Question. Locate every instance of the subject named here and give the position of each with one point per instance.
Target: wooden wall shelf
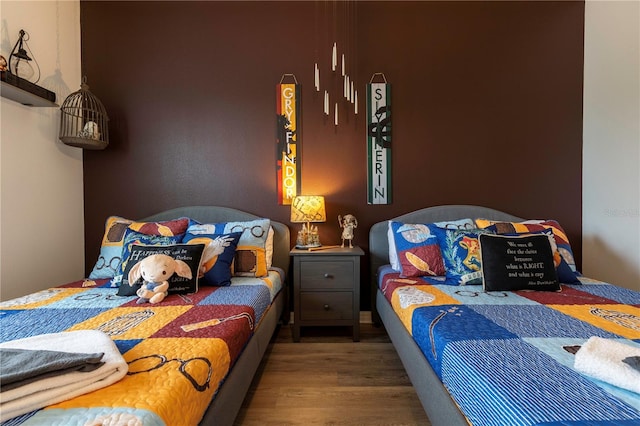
(24, 92)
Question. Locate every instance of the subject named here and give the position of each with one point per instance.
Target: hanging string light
(340, 41)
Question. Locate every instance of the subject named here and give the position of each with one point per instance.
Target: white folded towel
(51, 390)
(602, 359)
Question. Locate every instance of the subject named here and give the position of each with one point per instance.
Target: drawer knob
(327, 275)
(326, 307)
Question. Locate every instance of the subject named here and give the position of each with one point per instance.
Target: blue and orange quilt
(507, 358)
(178, 352)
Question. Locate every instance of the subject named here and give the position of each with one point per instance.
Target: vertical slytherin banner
(379, 188)
(288, 141)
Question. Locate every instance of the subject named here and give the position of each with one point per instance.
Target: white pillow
(269, 247)
(393, 255)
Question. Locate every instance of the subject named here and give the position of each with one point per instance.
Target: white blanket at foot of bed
(51, 390)
(603, 359)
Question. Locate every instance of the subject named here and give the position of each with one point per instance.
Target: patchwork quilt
(178, 351)
(507, 358)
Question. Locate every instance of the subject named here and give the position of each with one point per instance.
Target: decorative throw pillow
(217, 259)
(269, 247)
(461, 253)
(512, 263)
(536, 225)
(115, 227)
(132, 237)
(565, 274)
(567, 269)
(251, 254)
(111, 249)
(459, 225)
(393, 251)
(191, 254)
(414, 250)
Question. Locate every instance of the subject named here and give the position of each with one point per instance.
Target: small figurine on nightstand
(348, 223)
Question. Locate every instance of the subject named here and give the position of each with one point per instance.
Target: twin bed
(190, 359)
(474, 357)
(507, 357)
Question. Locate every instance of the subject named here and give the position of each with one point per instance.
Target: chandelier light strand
(338, 40)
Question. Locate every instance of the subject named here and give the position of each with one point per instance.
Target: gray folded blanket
(633, 361)
(21, 366)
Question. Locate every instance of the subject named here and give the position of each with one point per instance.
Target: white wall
(41, 202)
(611, 136)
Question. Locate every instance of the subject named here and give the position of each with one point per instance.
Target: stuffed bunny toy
(155, 270)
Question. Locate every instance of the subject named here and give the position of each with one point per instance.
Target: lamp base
(308, 238)
(308, 246)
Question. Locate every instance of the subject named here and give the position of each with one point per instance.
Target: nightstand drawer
(326, 275)
(326, 305)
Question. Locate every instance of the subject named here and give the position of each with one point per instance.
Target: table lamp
(306, 209)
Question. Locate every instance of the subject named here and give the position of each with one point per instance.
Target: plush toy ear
(135, 273)
(183, 269)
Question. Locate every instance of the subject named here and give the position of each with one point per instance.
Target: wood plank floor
(327, 379)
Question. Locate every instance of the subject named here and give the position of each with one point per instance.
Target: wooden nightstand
(326, 288)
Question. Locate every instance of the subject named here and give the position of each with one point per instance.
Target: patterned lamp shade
(306, 209)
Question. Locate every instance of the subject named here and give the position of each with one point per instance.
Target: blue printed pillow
(566, 275)
(132, 237)
(461, 254)
(251, 254)
(414, 250)
(417, 250)
(109, 259)
(217, 258)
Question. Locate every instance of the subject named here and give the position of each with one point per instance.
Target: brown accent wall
(486, 98)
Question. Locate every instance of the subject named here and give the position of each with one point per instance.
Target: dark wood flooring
(327, 379)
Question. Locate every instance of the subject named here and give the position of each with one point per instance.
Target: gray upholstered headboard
(213, 214)
(378, 240)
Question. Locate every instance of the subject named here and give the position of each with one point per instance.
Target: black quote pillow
(191, 254)
(512, 263)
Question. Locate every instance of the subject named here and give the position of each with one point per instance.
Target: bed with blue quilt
(186, 360)
(488, 341)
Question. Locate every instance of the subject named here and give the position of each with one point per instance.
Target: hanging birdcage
(84, 120)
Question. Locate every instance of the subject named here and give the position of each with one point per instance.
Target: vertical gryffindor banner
(288, 96)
